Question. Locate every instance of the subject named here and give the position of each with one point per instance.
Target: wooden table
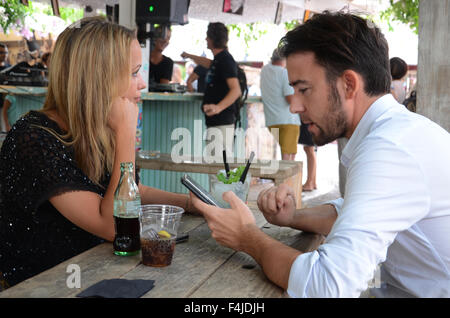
(201, 268)
(280, 171)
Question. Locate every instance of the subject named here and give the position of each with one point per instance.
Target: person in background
(60, 166)
(3, 64)
(161, 66)
(45, 59)
(188, 69)
(276, 94)
(9, 111)
(177, 75)
(222, 87)
(310, 149)
(399, 69)
(196, 80)
(4, 56)
(396, 207)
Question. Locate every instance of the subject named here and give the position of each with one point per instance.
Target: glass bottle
(127, 204)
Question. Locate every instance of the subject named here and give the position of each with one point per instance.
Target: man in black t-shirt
(222, 86)
(161, 66)
(199, 75)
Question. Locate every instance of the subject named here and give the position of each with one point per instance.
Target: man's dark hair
(218, 33)
(342, 41)
(398, 68)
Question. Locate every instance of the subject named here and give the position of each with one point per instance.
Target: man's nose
(296, 106)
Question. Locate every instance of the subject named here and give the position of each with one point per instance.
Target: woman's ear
(352, 83)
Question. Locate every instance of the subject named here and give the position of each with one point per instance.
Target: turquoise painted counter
(167, 119)
(162, 120)
(27, 98)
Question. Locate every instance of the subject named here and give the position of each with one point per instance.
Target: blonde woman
(59, 166)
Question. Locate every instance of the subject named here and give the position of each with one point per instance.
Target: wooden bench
(280, 171)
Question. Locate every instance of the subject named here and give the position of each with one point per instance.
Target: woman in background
(399, 69)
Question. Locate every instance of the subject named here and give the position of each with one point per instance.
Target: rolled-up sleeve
(337, 203)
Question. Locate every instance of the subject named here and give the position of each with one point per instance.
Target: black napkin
(118, 288)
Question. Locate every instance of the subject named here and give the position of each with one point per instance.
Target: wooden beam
(55, 7)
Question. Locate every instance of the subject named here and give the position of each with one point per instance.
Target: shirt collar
(218, 55)
(379, 107)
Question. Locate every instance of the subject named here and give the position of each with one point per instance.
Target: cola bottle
(127, 205)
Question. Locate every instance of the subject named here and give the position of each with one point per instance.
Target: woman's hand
(190, 207)
(123, 115)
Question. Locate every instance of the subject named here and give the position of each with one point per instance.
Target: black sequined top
(35, 166)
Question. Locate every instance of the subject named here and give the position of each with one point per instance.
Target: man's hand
(228, 226)
(278, 205)
(211, 109)
(185, 55)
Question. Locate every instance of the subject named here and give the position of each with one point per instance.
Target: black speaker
(162, 11)
(112, 12)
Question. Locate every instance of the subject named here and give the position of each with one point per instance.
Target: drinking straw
(247, 166)
(227, 168)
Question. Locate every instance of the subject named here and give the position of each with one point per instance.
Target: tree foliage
(69, 15)
(12, 13)
(249, 32)
(404, 11)
(289, 25)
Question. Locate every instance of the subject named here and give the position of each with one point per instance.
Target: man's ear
(352, 83)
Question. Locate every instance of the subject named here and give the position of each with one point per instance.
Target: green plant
(289, 25)
(405, 11)
(234, 177)
(69, 15)
(249, 32)
(12, 13)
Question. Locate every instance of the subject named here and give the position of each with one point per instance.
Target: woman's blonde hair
(90, 67)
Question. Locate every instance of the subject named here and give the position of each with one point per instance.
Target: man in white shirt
(396, 207)
(276, 94)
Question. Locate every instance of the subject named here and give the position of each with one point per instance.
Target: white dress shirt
(396, 210)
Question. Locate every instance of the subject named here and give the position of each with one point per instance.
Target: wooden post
(55, 7)
(433, 68)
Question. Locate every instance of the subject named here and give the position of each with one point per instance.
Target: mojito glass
(217, 188)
